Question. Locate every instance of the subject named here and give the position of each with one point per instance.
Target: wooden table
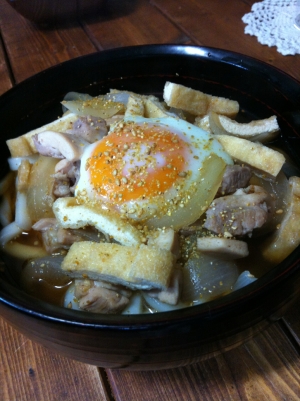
(265, 368)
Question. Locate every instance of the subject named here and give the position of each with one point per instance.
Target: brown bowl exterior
(170, 339)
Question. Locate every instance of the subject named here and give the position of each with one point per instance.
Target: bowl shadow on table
(49, 14)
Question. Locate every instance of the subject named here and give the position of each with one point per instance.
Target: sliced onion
(9, 232)
(244, 279)
(135, 306)
(7, 209)
(40, 196)
(96, 107)
(14, 162)
(70, 300)
(158, 306)
(75, 96)
(22, 215)
(207, 277)
(24, 252)
(120, 97)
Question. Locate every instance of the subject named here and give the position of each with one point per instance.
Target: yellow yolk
(161, 172)
(137, 161)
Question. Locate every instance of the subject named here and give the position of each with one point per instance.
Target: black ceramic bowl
(169, 339)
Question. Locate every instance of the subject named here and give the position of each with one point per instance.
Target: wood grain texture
(31, 50)
(5, 81)
(214, 24)
(29, 372)
(292, 321)
(265, 369)
(131, 22)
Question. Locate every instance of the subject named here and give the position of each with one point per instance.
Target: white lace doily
(274, 24)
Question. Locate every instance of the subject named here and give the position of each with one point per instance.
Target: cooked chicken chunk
(59, 145)
(101, 297)
(54, 237)
(65, 178)
(238, 214)
(90, 128)
(234, 177)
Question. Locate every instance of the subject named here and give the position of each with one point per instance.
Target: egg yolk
(137, 161)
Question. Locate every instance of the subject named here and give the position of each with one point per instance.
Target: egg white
(156, 208)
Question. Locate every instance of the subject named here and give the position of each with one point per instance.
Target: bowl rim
(29, 305)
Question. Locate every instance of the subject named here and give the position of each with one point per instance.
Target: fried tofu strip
(136, 267)
(264, 160)
(258, 130)
(24, 146)
(23, 175)
(196, 102)
(71, 214)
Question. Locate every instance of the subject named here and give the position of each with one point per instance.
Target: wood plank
(32, 49)
(292, 320)
(127, 23)
(5, 81)
(199, 21)
(265, 369)
(30, 372)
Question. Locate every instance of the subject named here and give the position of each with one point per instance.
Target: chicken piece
(82, 287)
(240, 213)
(70, 214)
(234, 177)
(101, 297)
(66, 177)
(54, 237)
(224, 248)
(89, 128)
(59, 145)
(62, 186)
(24, 146)
(136, 267)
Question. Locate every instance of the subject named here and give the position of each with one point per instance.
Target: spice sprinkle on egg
(149, 170)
